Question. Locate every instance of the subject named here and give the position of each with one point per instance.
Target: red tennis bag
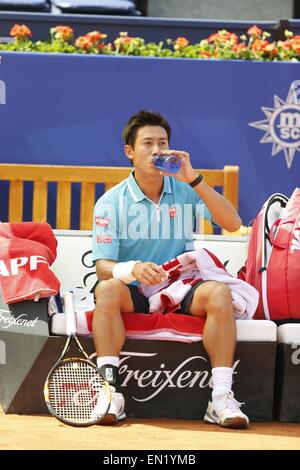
(273, 261)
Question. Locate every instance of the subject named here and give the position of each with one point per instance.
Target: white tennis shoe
(225, 411)
(116, 410)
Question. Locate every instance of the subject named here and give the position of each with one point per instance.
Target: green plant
(254, 45)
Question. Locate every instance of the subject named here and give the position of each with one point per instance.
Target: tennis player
(141, 223)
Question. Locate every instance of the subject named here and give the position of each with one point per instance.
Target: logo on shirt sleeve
(104, 239)
(172, 212)
(101, 221)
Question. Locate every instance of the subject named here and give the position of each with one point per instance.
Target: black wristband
(196, 181)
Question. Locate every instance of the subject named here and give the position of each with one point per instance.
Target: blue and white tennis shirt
(129, 226)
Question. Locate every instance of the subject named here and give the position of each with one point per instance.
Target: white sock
(110, 360)
(222, 381)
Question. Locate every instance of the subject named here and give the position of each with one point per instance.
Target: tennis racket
(74, 385)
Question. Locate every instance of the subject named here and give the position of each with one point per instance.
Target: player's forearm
(104, 269)
(222, 211)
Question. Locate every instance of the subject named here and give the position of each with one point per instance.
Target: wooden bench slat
(231, 184)
(57, 173)
(39, 208)
(15, 208)
(82, 174)
(63, 205)
(108, 186)
(87, 202)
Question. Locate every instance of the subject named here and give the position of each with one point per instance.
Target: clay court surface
(46, 433)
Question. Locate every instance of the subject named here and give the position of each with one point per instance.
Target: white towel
(189, 267)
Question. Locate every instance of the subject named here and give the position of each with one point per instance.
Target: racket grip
(70, 314)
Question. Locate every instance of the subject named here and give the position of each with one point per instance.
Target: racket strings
(75, 388)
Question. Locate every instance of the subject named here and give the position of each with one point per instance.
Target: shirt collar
(136, 191)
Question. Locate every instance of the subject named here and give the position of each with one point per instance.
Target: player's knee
(109, 291)
(219, 300)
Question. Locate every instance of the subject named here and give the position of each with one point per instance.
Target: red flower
(254, 31)
(239, 47)
(259, 45)
(62, 33)
(205, 54)
(96, 36)
(123, 42)
(181, 42)
(287, 45)
(296, 46)
(20, 31)
(271, 48)
(83, 42)
(223, 36)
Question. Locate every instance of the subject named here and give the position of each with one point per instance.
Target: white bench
(287, 385)
(187, 393)
(159, 378)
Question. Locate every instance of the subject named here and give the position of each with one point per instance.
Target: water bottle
(167, 163)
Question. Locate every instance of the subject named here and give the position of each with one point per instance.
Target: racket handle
(70, 314)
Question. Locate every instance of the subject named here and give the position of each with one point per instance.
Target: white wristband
(123, 271)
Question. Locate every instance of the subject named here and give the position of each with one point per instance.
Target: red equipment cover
(273, 261)
(27, 249)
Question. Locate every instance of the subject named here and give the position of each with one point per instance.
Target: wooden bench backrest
(88, 176)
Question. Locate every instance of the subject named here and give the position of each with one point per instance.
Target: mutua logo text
(2, 92)
(282, 124)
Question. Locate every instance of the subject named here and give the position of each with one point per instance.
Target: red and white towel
(186, 270)
(164, 327)
(167, 327)
(27, 249)
(162, 324)
(157, 326)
